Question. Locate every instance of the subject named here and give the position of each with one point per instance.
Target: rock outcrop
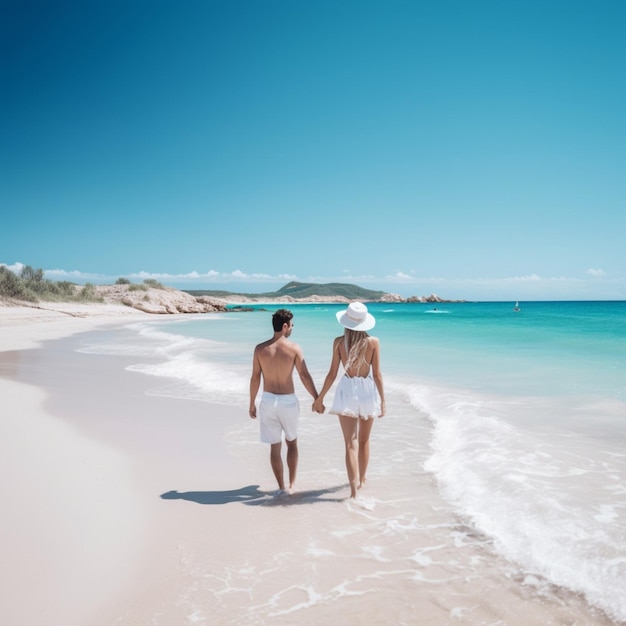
(159, 301)
(392, 297)
(432, 298)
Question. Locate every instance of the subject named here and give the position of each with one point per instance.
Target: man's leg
(277, 463)
(292, 461)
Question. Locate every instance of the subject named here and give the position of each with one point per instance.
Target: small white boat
(516, 307)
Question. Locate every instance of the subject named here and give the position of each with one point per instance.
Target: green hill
(301, 290)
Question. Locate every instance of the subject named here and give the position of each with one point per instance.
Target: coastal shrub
(33, 281)
(66, 288)
(122, 281)
(89, 294)
(11, 286)
(155, 284)
(30, 274)
(34, 287)
(55, 291)
(30, 285)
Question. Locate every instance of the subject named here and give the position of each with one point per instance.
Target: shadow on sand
(253, 496)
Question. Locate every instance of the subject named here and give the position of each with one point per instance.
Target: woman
(359, 396)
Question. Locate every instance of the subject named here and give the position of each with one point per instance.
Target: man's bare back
(277, 358)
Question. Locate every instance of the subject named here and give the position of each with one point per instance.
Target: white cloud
(16, 268)
(193, 275)
(595, 272)
(144, 275)
(400, 276)
(211, 276)
(529, 278)
(72, 275)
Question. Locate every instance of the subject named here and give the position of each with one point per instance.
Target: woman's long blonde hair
(357, 346)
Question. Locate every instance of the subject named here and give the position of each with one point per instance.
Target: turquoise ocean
(516, 418)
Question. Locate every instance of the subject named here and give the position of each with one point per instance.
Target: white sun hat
(356, 317)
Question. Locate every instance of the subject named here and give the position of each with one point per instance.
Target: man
(274, 360)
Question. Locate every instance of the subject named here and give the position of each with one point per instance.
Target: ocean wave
(197, 379)
(545, 506)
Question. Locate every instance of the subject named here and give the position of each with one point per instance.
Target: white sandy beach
(84, 531)
(124, 508)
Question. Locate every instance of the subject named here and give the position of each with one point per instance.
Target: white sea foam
(185, 366)
(542, 504)
(198, 379)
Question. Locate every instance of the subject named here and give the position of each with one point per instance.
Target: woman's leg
(365, 428)
(349, 427)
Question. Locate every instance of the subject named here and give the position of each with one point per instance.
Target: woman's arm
(377, 375)
(330, 377)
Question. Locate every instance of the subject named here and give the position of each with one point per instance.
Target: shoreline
(23, 326)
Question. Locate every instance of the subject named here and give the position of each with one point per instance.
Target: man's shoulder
(291, 345)
(281, 344)
(267, 342)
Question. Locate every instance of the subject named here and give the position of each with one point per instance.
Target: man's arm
(255, 384)
(303, 372)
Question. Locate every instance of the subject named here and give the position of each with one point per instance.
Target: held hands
(318, 406)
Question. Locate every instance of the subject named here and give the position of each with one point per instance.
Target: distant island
(313, 292)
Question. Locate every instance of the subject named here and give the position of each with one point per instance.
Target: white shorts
(278, 413)
(357, 397)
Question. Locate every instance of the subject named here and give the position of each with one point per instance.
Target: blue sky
(473, 149)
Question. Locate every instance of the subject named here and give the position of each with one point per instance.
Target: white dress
(356, 396)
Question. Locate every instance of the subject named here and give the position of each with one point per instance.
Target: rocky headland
(167, 300)
(159, 300)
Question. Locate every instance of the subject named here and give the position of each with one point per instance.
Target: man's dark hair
(282, 316)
